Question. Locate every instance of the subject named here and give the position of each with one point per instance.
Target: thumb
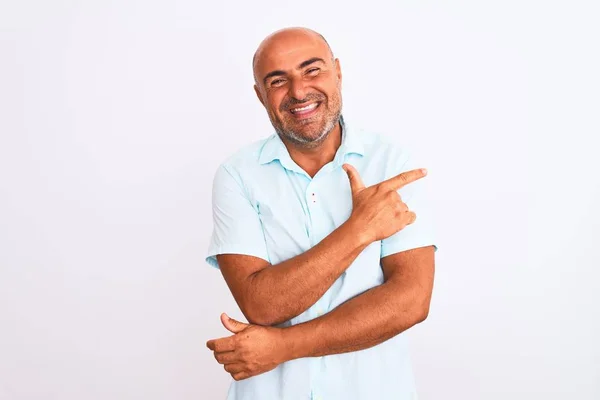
(232, 325)
(356, 183)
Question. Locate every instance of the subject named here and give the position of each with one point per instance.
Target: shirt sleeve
(416, 196)
(236, 225)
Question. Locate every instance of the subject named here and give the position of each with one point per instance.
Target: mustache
(290, 102)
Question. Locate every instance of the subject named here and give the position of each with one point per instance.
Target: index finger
(223, 344)
(403, 179)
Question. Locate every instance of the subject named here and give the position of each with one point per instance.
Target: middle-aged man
(314, 238)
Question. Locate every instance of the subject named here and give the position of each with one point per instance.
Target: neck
(313, 159)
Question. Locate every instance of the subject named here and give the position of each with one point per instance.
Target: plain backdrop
(114, 116)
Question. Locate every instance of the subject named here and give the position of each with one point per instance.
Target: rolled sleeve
(416, 196)
(236, 225)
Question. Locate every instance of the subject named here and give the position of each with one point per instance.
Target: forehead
(286, 53)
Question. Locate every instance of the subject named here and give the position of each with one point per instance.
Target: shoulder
(248, 155)
(387, 148)
(245, 158)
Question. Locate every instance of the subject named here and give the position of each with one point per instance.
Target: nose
(297, 90)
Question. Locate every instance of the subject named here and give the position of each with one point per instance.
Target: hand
(252, 350)
(378, 209)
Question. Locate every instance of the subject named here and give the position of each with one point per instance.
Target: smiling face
(299, 83)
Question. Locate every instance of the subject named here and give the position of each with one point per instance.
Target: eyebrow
(303, 64)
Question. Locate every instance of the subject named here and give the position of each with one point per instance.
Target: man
(316, 243)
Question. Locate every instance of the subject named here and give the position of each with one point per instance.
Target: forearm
(362, 322)
(285, 290)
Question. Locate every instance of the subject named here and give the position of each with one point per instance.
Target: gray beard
(303, 142)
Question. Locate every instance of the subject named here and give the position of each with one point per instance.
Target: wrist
(358, 232)
(294, 342)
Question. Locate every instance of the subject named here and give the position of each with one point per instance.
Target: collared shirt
(266, 206)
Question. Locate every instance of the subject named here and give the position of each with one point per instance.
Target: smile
(305, 110)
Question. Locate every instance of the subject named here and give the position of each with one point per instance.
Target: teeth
(308, 107)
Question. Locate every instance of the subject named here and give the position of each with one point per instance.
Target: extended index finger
(404, 178)
(223, 344)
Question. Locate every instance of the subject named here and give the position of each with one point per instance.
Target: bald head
(284, 40)
(299, 81)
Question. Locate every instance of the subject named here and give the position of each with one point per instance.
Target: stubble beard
(301, 140)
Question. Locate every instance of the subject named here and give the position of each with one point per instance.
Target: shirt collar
(274, 149)
(351, 140)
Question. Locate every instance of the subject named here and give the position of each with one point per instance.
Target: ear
(257, 91)
(338, 69)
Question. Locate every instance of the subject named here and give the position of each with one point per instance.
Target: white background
(115, 115)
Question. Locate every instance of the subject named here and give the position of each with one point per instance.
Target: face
(299, 84)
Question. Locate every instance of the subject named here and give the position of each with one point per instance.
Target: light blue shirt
(265, 205)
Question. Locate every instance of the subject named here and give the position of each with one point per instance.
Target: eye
(313, 71)
(277, 82)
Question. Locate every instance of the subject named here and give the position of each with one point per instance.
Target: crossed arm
(374, 316)
(268, 295)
